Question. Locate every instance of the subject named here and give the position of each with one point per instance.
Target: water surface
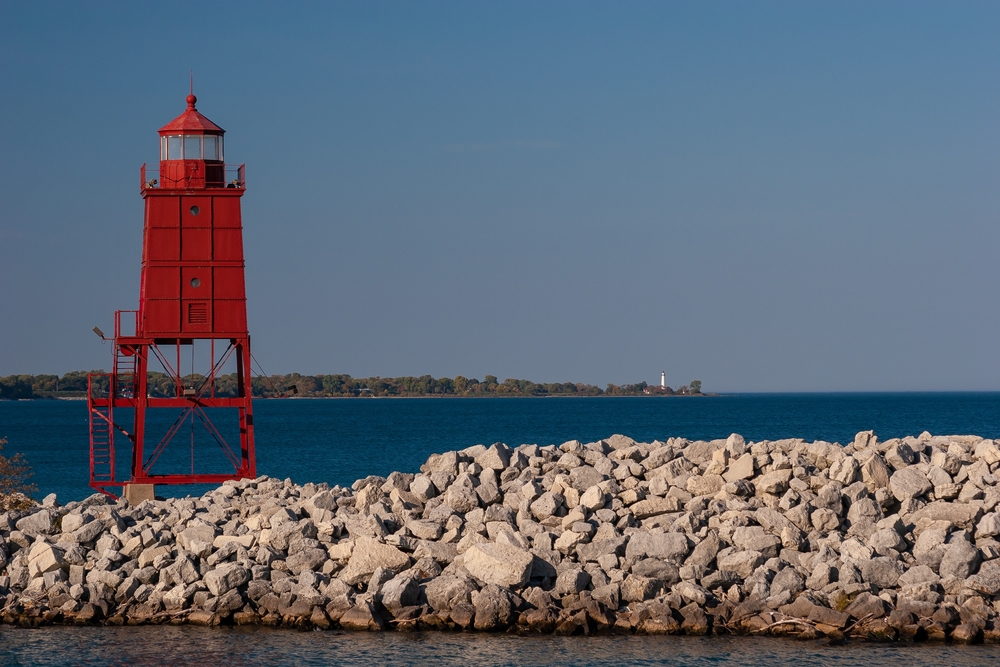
(341, 440)
(234, 647)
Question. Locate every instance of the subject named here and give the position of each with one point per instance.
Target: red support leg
(141, 399)
(243, 375)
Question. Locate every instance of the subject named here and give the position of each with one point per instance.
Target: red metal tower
(191, 290)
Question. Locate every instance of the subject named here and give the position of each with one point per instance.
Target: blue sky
(765, 196)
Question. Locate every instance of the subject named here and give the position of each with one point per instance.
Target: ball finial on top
(191, 99)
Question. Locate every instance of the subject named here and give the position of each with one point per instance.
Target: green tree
(695, 386)
(16, 386)
(46, 383)
(308, 384)
(74, 381)
(14, 486)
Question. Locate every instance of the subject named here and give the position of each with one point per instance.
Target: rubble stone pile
(877, 540)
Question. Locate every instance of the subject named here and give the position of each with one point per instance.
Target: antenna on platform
(191, 88)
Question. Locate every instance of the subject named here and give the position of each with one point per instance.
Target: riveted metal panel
(227, 244)
(196, 244)
(226, 212)
(230, 316)
(162, 282)
(163, 244)
(161, 316)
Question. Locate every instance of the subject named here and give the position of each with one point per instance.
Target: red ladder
(102, 438)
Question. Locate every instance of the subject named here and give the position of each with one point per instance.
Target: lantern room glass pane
(222, 153)
(211, 147)
(192, 147)
(163, 148)
(174, 147)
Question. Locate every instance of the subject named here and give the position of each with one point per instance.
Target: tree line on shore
(74, 384)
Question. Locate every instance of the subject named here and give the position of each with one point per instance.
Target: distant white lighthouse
(663, 379)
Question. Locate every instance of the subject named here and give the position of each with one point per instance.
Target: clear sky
(764, 196)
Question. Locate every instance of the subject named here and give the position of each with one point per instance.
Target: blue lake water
(341, 440)
(235, 647)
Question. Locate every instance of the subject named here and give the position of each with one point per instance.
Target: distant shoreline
(76, 384)
(434, 396)
(451, 396)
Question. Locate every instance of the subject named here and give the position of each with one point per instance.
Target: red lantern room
(191, 151)
(192, 294)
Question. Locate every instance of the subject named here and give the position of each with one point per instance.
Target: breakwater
(879, 540)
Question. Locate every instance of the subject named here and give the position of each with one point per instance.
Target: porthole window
(195, 210)
(195, 282)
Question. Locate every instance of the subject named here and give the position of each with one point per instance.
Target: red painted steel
(192, 288)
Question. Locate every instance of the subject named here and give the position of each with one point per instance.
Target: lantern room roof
(191, 121)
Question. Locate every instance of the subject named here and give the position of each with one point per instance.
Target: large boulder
(592, 551)
(225, 578)
(494, 608)
(882, 572)
(958, 514)
(495, 457)
(500, 564)
(755, 538)
(742, 563)
(960, 560)
(368, 555)
(704, 553)
(774, 483)
(875, 473)
(653, 507)
(546, 505)
(637, 588)
(43, 558)
(461, 498)
(38, 523)
(671, 546)
(572, 581)
(741, 468)
(583, 477)
(400, 592)
(987, 580)
(197, 531)
(307, 559)
(705, 485)
(362, 616)
(787, 580)
(88, 532)
(446, 591)
(988, 526)
(909, 483)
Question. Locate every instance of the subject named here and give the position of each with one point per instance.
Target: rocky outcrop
(881, 540)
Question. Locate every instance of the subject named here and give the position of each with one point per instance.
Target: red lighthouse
(192, 296)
